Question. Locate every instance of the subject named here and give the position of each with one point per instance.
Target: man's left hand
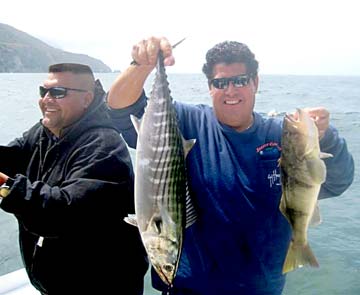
(321, 117)
(3, 178)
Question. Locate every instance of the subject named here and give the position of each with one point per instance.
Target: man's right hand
(145, 52)
(128, 86)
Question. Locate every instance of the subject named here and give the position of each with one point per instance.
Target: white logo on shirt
(274, 178)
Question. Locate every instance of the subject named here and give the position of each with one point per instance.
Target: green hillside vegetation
(22, 53)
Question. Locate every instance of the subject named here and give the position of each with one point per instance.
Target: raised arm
(128, 86)
(340, 167)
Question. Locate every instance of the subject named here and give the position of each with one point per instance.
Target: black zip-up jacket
(70, 196)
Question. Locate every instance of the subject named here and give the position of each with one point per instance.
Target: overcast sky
(287, 36)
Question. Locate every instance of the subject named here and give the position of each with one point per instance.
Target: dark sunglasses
(237, 81)
(57, 92)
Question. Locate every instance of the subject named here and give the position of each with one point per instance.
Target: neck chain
(251, 123)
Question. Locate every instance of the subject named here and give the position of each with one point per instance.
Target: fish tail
(298, 256)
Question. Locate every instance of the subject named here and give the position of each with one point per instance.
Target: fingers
(3, 178)
(146, 51)
(321, 117)
(167, 52)
(152, 47)
(139, 53)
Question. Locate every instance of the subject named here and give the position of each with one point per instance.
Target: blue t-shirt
(239, 242)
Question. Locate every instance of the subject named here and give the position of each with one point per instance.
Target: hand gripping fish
(163, 207)
(302, 173)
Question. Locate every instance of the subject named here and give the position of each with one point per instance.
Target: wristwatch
(5, 188)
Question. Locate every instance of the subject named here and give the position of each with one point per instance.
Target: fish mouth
(296, 119)
(290, 118)
(291, 124)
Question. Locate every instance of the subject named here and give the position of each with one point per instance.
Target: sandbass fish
(302, 173)
(163, 207)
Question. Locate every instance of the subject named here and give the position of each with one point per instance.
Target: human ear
(89, 97)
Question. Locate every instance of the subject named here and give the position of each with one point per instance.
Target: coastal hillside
(23, 53)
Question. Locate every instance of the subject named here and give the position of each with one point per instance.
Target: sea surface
(336, 242)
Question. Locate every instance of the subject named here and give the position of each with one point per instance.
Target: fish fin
(131, 219)
(191, 215)
(282, 206)
(136, 122)
(316, 217)
(299, 256)
(187, 145)
(325, 155)
(317, 170)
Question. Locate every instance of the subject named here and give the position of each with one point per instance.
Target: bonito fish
(162, 204)
(302, 173)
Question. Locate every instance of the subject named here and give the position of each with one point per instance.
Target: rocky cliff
(22, 53)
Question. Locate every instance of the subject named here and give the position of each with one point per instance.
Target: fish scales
(163, 206)
(167, 147)
(302, 173)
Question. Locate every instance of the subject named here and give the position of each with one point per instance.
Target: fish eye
(168, 267)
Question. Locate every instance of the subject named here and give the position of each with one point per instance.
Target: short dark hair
(71, 67)
(229, 52)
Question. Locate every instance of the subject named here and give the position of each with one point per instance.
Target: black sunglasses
(57, 92)
(237, 81)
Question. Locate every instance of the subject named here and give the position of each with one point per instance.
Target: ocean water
(336, 242)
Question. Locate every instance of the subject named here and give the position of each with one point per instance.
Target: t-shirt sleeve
(122, 121)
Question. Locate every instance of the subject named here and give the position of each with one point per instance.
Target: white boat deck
(16, 283)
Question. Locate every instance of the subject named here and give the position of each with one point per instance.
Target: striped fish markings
(163, 206)
(302, 173)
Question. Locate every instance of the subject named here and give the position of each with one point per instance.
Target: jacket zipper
(38, 245)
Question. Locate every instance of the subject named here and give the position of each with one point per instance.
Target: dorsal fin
(325, 155)
(136, 122)
(187, 145)
(131, 219)
(316, 216)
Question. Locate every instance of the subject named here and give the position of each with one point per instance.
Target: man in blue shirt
(239, 242)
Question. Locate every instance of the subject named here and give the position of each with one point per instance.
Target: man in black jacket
(69, 182)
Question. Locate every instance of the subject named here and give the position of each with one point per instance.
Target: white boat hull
(16, 283)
